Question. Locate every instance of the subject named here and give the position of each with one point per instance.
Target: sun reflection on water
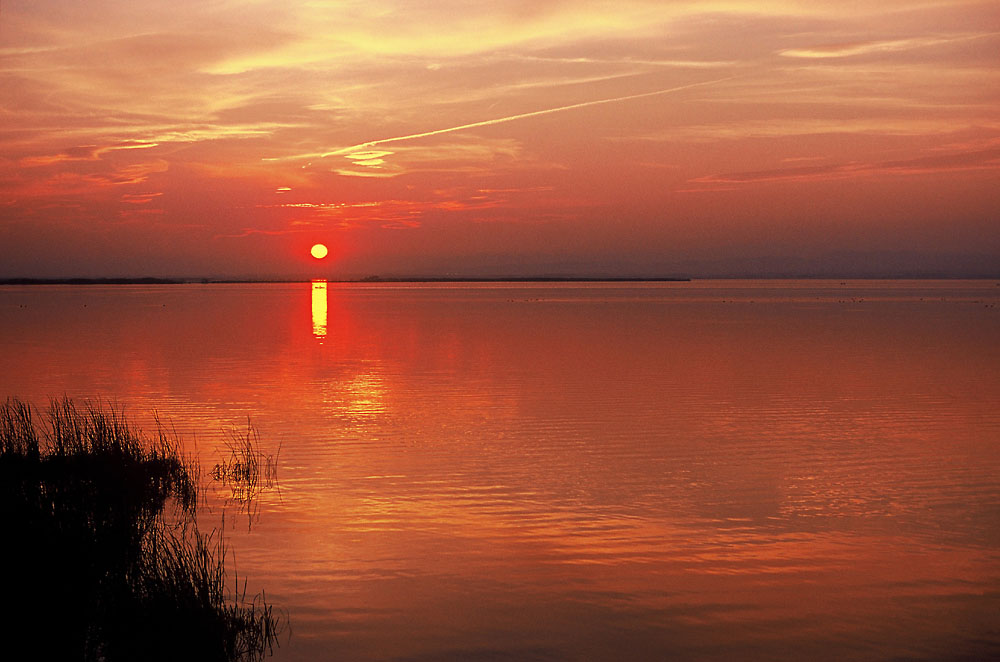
(319, 308)
(367, 395)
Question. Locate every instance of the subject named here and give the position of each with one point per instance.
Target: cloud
(447, 29)
(513, 118)
(885, 46)
(139, 198)
(84, 153)
(783, 127)
(985, 159)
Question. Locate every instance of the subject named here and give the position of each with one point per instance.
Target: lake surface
(714, 470)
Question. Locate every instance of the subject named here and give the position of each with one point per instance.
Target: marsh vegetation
(103, 558)
(247, 471)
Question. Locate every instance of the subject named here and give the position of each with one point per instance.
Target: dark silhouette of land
(514, 279)
(102, 558)
(366, 279)
(92, 281)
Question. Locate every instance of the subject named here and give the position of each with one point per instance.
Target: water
(711, 470)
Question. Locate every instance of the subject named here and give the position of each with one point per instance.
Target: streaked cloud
(986, 159)
(887, 46)
(519, 116)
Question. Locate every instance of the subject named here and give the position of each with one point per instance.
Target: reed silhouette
(247, 472)
(102, 558)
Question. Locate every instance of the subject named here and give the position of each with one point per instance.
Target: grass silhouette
(248, 471)
(102, 558)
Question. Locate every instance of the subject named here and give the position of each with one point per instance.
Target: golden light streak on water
(319, 308)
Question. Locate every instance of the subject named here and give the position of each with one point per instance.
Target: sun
(319, 251)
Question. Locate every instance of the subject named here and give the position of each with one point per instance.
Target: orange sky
(635, 137)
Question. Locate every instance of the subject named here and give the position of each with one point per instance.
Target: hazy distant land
(367, 279)
(147, 280)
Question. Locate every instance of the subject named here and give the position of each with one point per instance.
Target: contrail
(511, 118)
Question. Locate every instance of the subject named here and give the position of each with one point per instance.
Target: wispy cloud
(140, 198)
(884, 46)
(84, 153)
(778, 128)
(647, 62)
(512, 118)
(985, 159)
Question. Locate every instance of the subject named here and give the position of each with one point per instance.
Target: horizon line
(198, 280)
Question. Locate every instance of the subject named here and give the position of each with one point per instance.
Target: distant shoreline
(96, 281)
(200, 281)
(461, 279)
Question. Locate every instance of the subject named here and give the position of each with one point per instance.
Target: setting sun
(319, 251)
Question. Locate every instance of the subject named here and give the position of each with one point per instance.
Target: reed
(103, 558)
(248, 470)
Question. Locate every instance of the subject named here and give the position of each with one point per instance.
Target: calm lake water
(714, 470)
